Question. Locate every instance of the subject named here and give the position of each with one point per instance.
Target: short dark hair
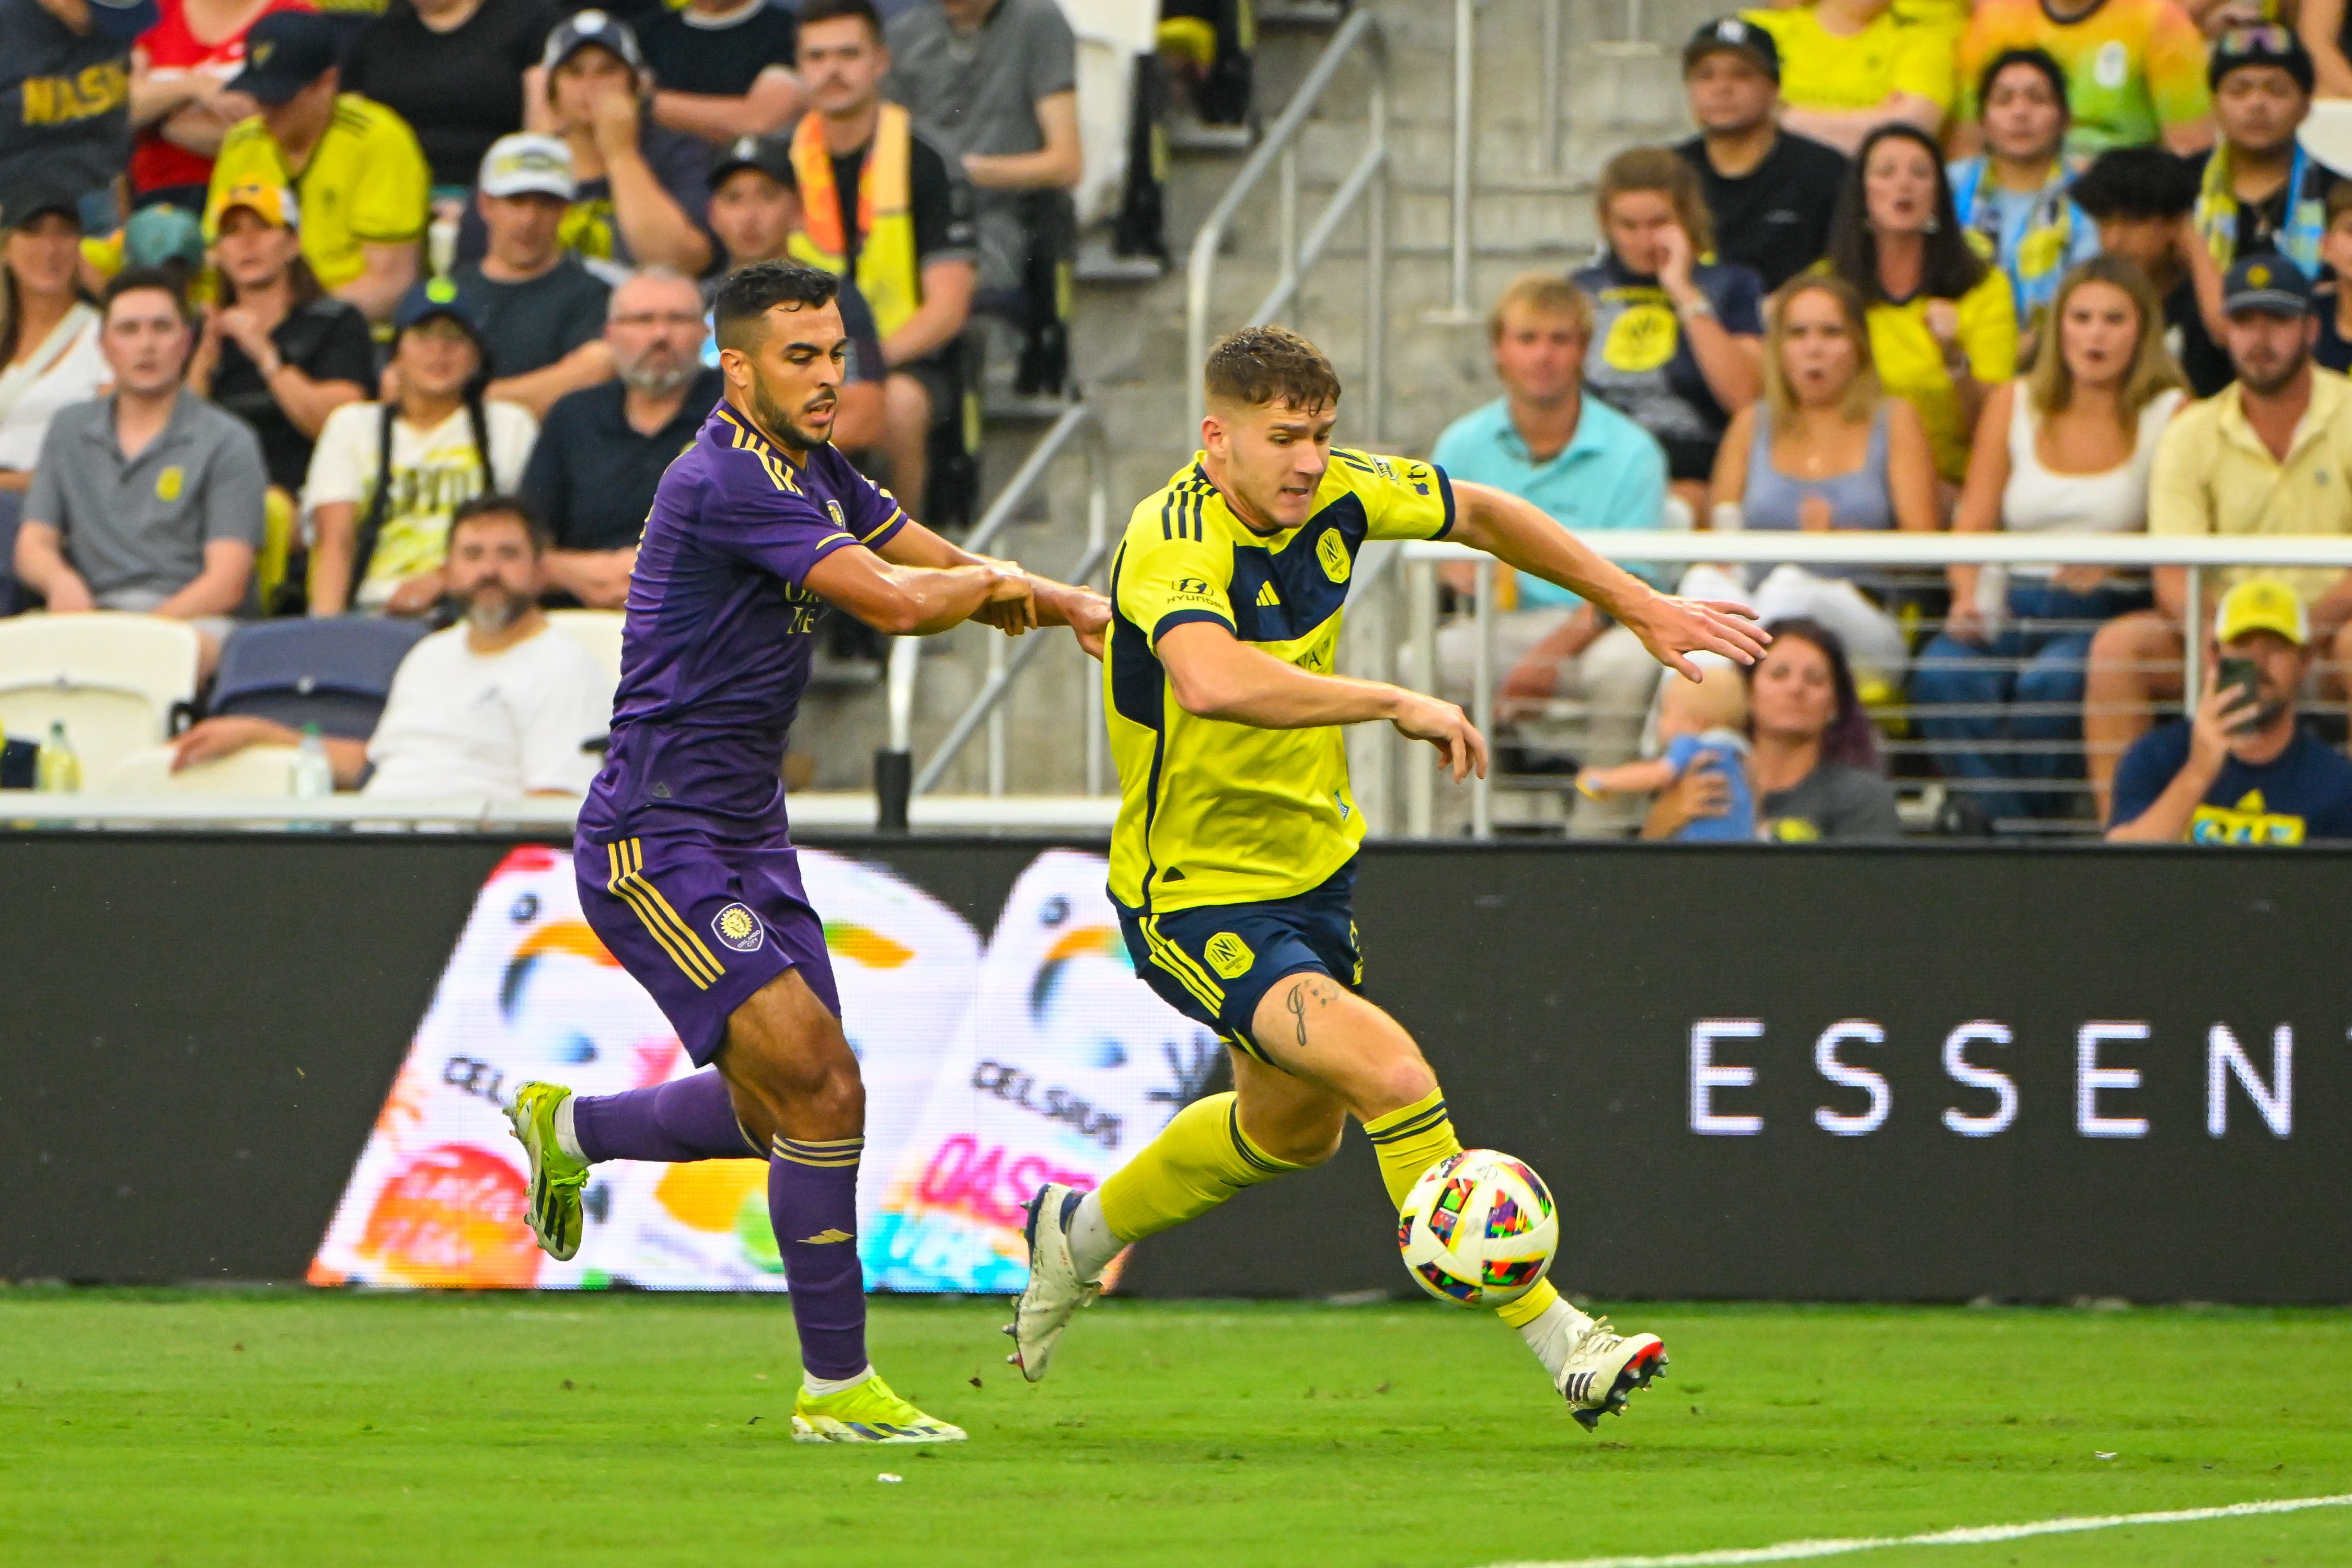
(138, 281)
(498, 503)
(1262, 365)
(747, 294)
(2041, 60)
(834, 10)
(2136, 183)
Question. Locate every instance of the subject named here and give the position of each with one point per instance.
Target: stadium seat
(254, 771)
(335, 672)
(115, 680)
(599, 630)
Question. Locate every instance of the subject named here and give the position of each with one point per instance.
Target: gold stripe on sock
(1529, 1306)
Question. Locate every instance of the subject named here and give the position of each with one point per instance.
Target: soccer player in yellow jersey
(1233, 856)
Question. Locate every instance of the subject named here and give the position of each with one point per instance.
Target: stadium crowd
(288, 292)
(2043, 266)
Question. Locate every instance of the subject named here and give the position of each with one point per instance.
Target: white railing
(2195, 553)
(844, 809)
(1367, 181)
(896, 781)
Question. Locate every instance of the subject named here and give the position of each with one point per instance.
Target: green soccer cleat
(868, 1413)
(556, 1177)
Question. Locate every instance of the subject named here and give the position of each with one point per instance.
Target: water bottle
(313, 775)
(56, 771)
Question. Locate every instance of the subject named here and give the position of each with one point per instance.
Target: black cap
(771, 155)
(2271, 284)
(285, 52)
(1741, 37)
(442, 298)
(584, 28)
(125, 19)
(32, 191)
(2265, 44)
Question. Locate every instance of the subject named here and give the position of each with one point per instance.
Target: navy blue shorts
(1215, 965)
(702, 923)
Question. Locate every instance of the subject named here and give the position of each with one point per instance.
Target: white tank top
(2040, 501)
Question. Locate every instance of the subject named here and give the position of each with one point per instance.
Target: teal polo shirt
(1611, 474)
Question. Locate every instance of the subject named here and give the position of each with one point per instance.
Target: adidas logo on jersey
(1266, 595)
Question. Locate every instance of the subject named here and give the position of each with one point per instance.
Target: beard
(2263, 381)
(779, 423)
(491, 609)
(658, 379)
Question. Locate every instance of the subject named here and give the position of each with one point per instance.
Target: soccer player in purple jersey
(686, 865)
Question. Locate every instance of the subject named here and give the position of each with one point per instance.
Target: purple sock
(685, 1119)
(813, 1203)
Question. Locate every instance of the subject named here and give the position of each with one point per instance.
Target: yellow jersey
(1826, 71)
(366, 184)
(1213, 812)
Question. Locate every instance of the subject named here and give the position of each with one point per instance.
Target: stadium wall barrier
(2030, 1073)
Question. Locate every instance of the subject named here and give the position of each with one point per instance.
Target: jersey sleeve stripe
(894, 517)
(1444, 490)
(1175, 618)
(1167, 515)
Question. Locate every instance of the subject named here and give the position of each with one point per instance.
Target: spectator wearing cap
(754, 208)
(49, 351)
(148, 498)
(65, 94)
(2261, 192)
(1848, 66)
(541, 311)
(501, 705)
(180, 105)
(353, 165)
(2270, 455)
(723, 68)
(386, 476)
(602, 453)
(2242, 769)
(2144, 201)
(460, 72)
(640, 186)
(2134, 70)
(1772, 192)
(883, 205)
(278, 352)
(995, 82)
(2013, 194)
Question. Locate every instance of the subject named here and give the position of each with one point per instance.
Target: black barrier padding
(196, 1033)
(163, 990)
(1556, 990)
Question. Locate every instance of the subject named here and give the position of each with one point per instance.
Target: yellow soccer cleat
(556, 1177)
(868, 1413)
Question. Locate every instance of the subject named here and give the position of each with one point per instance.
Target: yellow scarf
(886, 270)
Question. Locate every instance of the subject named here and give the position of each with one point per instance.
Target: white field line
(1974, 1535)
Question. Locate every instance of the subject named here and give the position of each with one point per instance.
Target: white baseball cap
(524, 164)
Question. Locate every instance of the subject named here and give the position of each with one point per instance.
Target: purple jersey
(721, 628)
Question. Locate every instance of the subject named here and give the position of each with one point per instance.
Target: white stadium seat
(112, 679)
(598, 631)
(255, 771)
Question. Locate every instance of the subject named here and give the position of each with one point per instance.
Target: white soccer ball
(1478, 1229)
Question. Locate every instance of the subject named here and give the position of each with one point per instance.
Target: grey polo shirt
(978, 92)
(139, 525)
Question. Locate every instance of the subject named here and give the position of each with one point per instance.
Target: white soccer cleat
(1054, 1291)
(1605, 1366)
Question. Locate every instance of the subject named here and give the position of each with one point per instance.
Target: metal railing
(2195, 553)
(1367, 181)
(896, 783)
(534, 816)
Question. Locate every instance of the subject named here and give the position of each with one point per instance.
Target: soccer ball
(1478, 1229)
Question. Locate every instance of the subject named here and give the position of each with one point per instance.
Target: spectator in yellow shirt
(2269, 454)
(1848, 66)
(1943, 324)
(355, 166)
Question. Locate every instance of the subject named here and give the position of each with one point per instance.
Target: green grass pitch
(300, 1428)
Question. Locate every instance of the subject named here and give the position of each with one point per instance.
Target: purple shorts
(702, 922)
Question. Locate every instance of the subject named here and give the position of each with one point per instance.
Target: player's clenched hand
(1447, 727)
(1672, 627)
(1012, 604)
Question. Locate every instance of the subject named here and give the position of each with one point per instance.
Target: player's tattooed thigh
(1311, 997)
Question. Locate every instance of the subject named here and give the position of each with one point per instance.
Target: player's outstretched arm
(1519, 534)
(1051, 603)
(1215, 676)
(915, 601)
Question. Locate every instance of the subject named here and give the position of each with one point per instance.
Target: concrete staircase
(1129, 350)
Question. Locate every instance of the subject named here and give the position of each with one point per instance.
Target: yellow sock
(1409, 1141)
(1200, 1159)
